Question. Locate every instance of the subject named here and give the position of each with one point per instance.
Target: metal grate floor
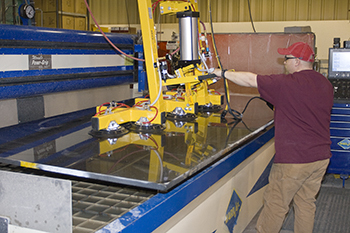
(94, 205)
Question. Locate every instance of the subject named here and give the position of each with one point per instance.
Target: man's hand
(217, 72)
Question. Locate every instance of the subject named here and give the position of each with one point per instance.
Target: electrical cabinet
(340, 137)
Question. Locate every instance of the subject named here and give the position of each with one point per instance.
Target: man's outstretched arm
(245, 79)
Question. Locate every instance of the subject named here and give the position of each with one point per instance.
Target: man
(303, 100)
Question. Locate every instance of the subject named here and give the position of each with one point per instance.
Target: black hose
(235, 115)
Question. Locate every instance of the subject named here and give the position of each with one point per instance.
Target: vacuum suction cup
(209, 108)
(114, 130)
(187, 117)
(109, 134)
(178, 114)
(144, 126)
(147, 128)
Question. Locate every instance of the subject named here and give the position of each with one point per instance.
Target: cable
(107, 39)
(127, 13)
(177, 50)
(212, 34)
(206, 47)
(240, 120)
(161, 165)
(235, 123)
(160, 85)
(203, 60)
(250, 15)
(234, 113)
(154, 115)
(154, 141)
(118, 105)
(125, 156)
(256, 97)
(154, 6)
(134, 152)
(134, 58)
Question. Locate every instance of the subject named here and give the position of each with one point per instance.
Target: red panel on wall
(255, 52)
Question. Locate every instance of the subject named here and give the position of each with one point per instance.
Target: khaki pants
(291, 182)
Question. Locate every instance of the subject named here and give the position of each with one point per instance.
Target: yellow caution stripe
(29, 165)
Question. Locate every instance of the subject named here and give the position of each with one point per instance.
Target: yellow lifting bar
(153, 110)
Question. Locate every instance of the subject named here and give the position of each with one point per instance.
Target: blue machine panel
(36, 34)
(340, 137)
(72, 60)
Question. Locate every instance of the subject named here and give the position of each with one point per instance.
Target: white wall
(325, 31)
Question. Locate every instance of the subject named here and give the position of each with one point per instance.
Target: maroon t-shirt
(303, 102)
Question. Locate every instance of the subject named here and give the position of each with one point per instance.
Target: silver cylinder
(188, 30)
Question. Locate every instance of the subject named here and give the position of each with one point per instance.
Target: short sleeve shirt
(303, 102)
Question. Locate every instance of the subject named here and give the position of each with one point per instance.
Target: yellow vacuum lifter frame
(190, 102)
(202, 95)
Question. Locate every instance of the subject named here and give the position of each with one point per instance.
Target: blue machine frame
(340, 137)
(18, 43)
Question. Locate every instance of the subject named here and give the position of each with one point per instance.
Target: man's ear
(297, 62)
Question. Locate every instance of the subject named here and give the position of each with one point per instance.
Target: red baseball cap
(300, 50)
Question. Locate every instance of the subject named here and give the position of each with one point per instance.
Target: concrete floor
(335, 192)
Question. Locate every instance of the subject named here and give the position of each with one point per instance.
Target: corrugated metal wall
(115, 11)
(126, 11)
